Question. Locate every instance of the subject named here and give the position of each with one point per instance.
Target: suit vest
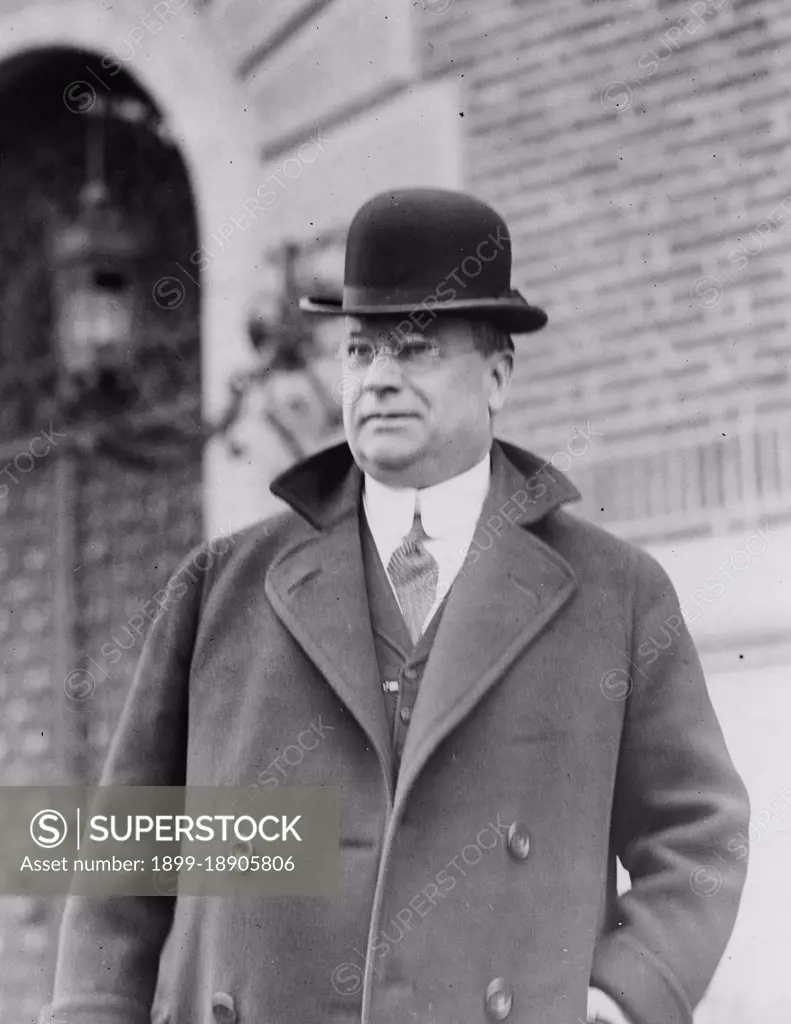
(401, 663)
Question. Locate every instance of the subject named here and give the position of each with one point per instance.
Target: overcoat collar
(511, 585)
(326, 486)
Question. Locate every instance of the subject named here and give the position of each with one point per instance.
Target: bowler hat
(426, 251)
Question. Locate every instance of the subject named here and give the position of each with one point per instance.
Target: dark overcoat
(562, 720)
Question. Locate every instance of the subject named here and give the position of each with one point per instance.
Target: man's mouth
(387, 416)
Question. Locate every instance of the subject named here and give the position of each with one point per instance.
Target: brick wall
(636, 151)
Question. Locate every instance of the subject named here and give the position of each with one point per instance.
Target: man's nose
(384, 372)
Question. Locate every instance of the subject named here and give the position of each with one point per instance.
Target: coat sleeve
(109, 947)
(679, 809)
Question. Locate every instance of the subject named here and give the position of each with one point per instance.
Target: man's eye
(360, 352)
(413, 349)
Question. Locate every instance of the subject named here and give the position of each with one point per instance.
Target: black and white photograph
(395, 511)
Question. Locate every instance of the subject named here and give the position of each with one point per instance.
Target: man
(493, 701)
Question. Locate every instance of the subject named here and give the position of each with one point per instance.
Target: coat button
(241, 848)
(223, 1008)
(518, 841)
(405, 713)
(499, 999)
(409, 673)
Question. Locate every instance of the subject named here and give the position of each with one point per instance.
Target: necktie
(413, 572)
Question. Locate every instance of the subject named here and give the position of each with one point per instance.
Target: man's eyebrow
(394, 335)
(409, 333)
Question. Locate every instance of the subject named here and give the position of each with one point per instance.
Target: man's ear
(501, 367)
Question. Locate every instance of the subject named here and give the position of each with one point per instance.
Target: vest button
(223, 1008)
(518, 841)
(499, 999)
(241, 848)
(410, 673)
(405, 713)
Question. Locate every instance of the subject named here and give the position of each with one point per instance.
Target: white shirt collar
(446, 509)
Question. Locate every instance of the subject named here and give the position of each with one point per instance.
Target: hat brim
(514, 315)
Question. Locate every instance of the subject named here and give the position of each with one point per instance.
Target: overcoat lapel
(510, 587)
(317, 589)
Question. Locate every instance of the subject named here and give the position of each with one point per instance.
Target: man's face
(418, 402)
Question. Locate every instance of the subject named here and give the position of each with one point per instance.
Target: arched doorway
(89, 534)
(208, 112)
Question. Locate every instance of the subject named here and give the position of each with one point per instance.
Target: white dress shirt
(449, 512)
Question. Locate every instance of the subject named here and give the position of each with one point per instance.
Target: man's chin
(387, 455)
